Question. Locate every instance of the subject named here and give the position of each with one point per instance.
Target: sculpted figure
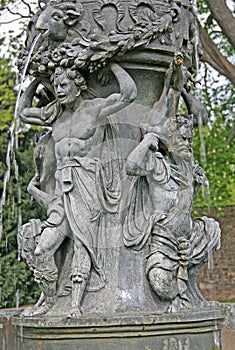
(186, 29)
(176, 84)
(178, 245)
(82, 193)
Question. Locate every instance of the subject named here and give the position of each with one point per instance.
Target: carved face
(180, 141)
(66, 90)
(180, 146)
(51, 24)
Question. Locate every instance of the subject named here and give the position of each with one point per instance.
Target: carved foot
(75, 312)
(207, 303)
(36, 310)
(178, 304)
(41, 307)
(27, 312)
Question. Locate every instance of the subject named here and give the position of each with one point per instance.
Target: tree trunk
(224, 17)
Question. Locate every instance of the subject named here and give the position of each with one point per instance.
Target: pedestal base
(192, 330)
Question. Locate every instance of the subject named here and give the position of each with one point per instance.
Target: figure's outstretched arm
(27, 113)
(128, 92)
(166, 107)
(137, 160)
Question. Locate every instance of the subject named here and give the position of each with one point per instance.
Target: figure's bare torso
(164, 197)
(171, 198)
(76, 135)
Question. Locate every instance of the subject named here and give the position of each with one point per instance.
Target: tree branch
(13, 20)
(12, 12)
(224, 17)
(16, 13)
(214, 57)
(29, 8)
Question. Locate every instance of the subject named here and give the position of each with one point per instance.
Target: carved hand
(200, 175)
(151, 140)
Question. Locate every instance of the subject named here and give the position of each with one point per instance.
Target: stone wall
(218, 283)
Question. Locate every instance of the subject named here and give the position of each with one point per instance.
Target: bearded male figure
(178, 245)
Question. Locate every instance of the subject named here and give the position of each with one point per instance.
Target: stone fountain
(117, 257)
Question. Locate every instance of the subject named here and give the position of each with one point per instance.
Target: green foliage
(7, 94)
(4, 3)
(218, 95)
(16, 280)
(202, 7)
(220, 166)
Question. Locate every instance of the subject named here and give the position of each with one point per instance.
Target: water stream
(207, 196)
(13, 139)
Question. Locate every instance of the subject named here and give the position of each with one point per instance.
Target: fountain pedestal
(190, 330)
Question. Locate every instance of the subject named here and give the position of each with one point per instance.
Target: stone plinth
(191, 330)
(7, 330)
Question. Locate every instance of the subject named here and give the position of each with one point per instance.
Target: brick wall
(219, 283)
